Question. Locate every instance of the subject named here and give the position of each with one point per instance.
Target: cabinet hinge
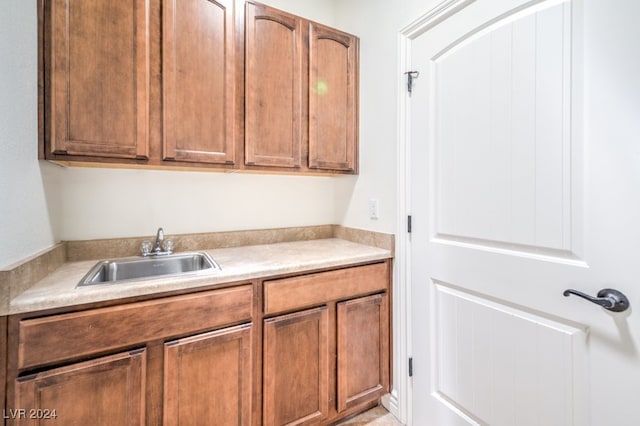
(409, 224)
(410, 367)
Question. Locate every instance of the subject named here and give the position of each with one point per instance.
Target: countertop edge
(305, 257)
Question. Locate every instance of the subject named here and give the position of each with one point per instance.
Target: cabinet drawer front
(309, 290)
(67, 336)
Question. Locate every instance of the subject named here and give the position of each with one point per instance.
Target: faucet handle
(167, 245)
(145, 247)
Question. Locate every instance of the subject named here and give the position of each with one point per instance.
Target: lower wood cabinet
(107, 390)
(296, 368)
(207, 378)
(174, 360)
(327, 362)
(311, 349)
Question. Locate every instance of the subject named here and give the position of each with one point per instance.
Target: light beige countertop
(59, 288)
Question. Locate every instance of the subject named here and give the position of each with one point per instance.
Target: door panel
(333, 106)
(363, 351)
(109, 389)
(503, 115)
(98, 91)
(273, 87)
(207, 378)
(199, 69)
(502, 365)
(296, 368)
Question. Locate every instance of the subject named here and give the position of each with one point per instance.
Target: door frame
(400, 401)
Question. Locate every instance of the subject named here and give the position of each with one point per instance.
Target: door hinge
(411, 75)
(410, 367)
(409, 224)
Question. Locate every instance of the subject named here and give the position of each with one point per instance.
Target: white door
(524, 182)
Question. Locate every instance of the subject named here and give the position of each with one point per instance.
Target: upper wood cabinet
(97, 81)
(195, 84)
(273, 87)
(333, 99)
(199, 72)
(301, 93)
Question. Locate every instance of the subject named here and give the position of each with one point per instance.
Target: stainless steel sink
(141, 268)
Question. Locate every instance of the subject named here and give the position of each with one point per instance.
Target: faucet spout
(159, 239)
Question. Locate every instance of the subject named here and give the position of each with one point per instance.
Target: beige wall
(102, 203)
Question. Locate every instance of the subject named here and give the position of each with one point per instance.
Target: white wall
(27, 205)
(322, 11)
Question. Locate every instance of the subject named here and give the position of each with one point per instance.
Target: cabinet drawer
(308, 290)
(67, 336)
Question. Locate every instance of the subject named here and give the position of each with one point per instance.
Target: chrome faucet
(157, 248)
(161, 246)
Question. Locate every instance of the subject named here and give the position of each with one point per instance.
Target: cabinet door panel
(333, 121)
(208, 378)
(97, 59)
(363, 350)
(273, 94)
(107, 390)
(296, 368)
(199, 67)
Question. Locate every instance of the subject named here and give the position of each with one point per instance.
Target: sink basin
(141, 268)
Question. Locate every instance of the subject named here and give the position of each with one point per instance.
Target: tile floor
(376, 416)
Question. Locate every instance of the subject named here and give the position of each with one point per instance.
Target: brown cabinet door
(207, 378)
(363, 350)
(97, 77)
(199, 71)
(333, 99)
(273, 87)
(103, 391)
(296, 368)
